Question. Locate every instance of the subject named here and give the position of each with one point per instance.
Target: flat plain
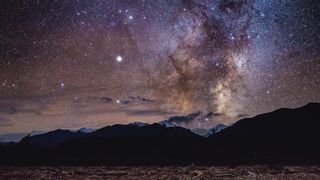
(161, 172)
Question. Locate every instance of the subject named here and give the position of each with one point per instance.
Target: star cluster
(69, 64)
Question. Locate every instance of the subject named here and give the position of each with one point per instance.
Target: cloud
(197, 120)
(184, 119)
(29, 105)
(136, 100)
(4, 122)
(93, 99)
(23, 110)
(147, 112)
(9, 110)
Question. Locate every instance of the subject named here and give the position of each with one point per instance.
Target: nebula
(208, 64)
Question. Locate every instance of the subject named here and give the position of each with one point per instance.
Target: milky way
(69, 64)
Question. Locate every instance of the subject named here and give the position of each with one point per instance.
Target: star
(119, 59)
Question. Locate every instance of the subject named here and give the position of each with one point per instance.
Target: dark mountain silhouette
(135, 143)
(281, 122)
(215, 130)
(149, 131)
(132, 130)
(52, 138)
(16, 137)
(282, 136)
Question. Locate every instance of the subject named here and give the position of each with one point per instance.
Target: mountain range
(281, 136)
(175, 121)
(16, 137)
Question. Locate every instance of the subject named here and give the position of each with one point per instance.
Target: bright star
(119, 59)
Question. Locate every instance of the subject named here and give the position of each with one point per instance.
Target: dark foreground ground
(187, 172)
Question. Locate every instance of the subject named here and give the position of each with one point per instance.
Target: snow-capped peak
(166, 123)
(86, 130)
(220, 127)
(138, 124)
(216, 129)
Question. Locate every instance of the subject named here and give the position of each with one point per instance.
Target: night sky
(92, 63)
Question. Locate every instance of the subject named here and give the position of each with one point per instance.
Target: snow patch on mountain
(86, 130)
(166, 124)
(138, 124)
(216, 129)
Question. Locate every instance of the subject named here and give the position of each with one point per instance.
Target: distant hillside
(16, 137)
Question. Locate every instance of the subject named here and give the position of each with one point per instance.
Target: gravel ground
(167, 172)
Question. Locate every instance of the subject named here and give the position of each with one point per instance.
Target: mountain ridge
(282, 136)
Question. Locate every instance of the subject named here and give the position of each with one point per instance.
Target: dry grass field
(167, 172)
